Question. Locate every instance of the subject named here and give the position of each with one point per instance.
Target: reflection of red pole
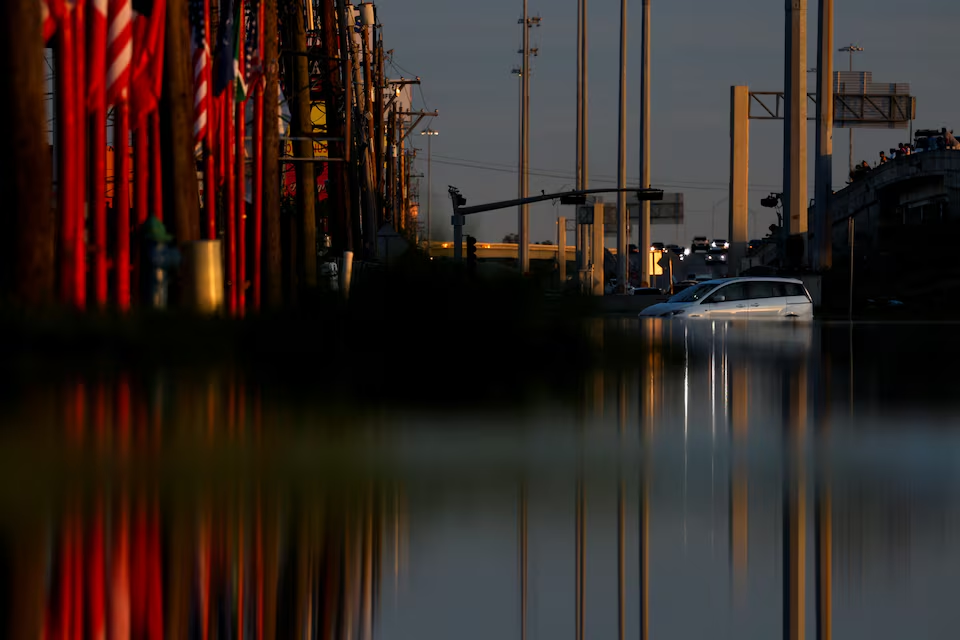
(138, 570)
(205, 579)
(95, 573)
(155, 586)
(123, 418)
(259, 561)
(241, 559)
(76, 578)
(66, 154)
(120, 575)
(121, 199)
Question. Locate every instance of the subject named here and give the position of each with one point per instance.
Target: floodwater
(740, 481)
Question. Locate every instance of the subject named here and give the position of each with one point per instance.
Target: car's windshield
(694, 293)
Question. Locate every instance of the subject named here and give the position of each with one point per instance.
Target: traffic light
(471, 253)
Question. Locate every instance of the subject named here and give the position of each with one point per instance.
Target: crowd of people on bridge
(926, 140)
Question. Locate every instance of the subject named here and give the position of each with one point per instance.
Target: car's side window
(761, 289)
(731, 293)
(794, 289)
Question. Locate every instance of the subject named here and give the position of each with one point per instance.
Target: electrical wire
(560, 175)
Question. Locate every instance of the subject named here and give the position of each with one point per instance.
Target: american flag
(252, 66)
(50, 11)
(119, 49)
(201, 69)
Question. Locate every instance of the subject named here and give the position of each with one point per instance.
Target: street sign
(666, 211)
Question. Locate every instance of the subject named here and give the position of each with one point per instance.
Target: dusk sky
(464, 52)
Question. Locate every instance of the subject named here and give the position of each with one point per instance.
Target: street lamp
(851, 49)
(430, 133)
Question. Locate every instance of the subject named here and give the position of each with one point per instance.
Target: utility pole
(28, 271)
(305, 252)
(824, 176)
(851, 49)
(332, 89)
(795, 120)
(622, 258)
(643, 237)
(523, 249)
(179, 164)
(430, 133)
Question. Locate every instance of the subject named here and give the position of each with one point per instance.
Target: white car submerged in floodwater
(747, 298)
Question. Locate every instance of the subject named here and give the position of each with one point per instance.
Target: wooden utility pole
(28, 260)
(332, 88)
(273, 273)
(305, 245)
(345, 12)
(390, 183)
(376, 92)
(181, 194)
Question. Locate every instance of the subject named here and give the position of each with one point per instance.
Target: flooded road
(735, 481)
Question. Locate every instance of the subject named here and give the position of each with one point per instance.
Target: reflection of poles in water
(644, 542)
(580, 527)
(367, 597)
(739, 511)
(823, 507)
(647, 411)
(522, 521)
(621, 508)
(794, 508)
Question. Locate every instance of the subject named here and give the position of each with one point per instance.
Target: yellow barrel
(203, 277)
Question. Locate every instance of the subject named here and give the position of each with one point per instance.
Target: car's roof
(753, 279)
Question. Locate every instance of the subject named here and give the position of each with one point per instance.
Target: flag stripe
(119, 48)
(201, 67)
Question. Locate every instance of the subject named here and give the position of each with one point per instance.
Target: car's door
(797, 302)
(726, 303)
(766, 299)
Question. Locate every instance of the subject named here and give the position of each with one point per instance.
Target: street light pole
(430, 133)
(622, 258)
(644, 235)
(851, 49)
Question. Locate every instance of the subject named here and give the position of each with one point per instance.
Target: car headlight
(686, 251)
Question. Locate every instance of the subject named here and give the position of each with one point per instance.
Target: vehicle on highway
(700, 243)
(716, 256)
(747, 298)
(753, 245)
(657, 246)
(719, 244)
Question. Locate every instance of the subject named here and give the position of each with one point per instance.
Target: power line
(606, 180)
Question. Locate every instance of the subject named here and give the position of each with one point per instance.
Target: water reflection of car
(700, 243)
(716, 256)
(782, 299)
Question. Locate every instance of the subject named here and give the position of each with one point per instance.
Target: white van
(746, 298)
